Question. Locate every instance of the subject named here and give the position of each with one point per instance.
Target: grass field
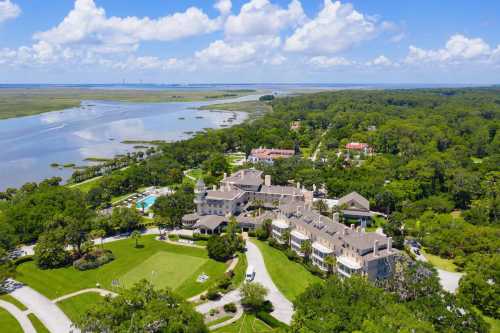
(290, 277)
(76, 306)
(10, 299)
(37, 324)
(164, 269)
(54, 283)
(26, 102)
(495, 324)
(8, 321)
(246, 324)
(441, 263)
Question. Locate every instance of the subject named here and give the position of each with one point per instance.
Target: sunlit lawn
(290, 277)
(9, 323)
(246, 324)
(76, 306)
(37, 324)
(54, 283)
(441, 263)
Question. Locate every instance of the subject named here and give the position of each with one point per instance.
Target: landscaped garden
(290, 277)
(163, 263)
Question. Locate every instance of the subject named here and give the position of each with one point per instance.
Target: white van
(250, 274)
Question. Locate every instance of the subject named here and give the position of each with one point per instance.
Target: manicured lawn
(54, 283)
(86, 186)
(7, 321)
(37, 324)
(240, 270)
(76, 306)
(220, 320)
(246, 324)
(290, 277)
(441, 263)
(10, 299)
(164, 269)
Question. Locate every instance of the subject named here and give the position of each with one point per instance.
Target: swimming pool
(148, 202)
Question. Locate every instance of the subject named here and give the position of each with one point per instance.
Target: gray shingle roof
(245, 177)
(354, 196)
(276, 189)
(210, 221)
(224, 195)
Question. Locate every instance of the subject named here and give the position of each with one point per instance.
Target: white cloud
(8, 10)
(381, 61)
(457, 49)
(260, 17)
(337, 27)
(88, 25)
(329, 62)
(238, 53)
(224, 6)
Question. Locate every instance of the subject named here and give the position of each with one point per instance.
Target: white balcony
(348, 266)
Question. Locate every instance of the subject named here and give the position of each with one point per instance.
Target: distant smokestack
(267, 180)
(389, 244)
(375, 248)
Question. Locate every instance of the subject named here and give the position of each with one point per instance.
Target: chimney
(267, 180)
(375, 248)
(214, 187)
(389, 244)
(298, 185)
(242, 174)
(352, 227)
(225, 175)
(358, 229)
(346, 231)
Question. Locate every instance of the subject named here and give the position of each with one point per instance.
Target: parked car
(250, 274)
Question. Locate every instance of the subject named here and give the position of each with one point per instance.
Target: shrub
(213, 293)
(252, 234)
(270, 320)
(291, 255)
(173, 237)
(224, 283)
(93, 260)
(230, 307)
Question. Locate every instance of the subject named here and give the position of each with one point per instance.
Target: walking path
(318, 148)
(49, 314)
(102, 292)
(283, 308)
(239, 313)
(20, 316)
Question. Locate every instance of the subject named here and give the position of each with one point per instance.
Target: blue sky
(166, 41)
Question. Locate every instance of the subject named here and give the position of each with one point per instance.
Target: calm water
(29, 145)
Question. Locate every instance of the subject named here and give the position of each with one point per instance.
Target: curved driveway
(49, 314)
(20, 316)
(283, 308)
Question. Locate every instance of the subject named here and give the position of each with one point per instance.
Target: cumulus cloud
(8, 10)
(224, 6)
(457, 49)
(241, 52)
(261, 17)
(329, 62)
(86, 24)
(337, 27)
(381, 61)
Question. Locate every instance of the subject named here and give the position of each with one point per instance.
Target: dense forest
(435, 172)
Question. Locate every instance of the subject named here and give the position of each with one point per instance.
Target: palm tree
(143, 206)
(331, 263)
(136, 235)
(306, 248)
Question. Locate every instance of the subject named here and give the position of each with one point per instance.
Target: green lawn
(37, 324)
(54, 283)
(87, 185)
(164, 269)
(290, 277)
(10, 299)
(76, 306)
(246, 324)
(495, 324)
(240, 270)
(441, 263)
(8, 321)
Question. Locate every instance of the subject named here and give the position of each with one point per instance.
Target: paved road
(283, 308)
(448, 280)
(21, 317)
(51, 316)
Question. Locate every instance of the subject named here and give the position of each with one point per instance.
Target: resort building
(356, 251)
(358, 147)
(235, 194)
(269, 155)
(355, 207)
